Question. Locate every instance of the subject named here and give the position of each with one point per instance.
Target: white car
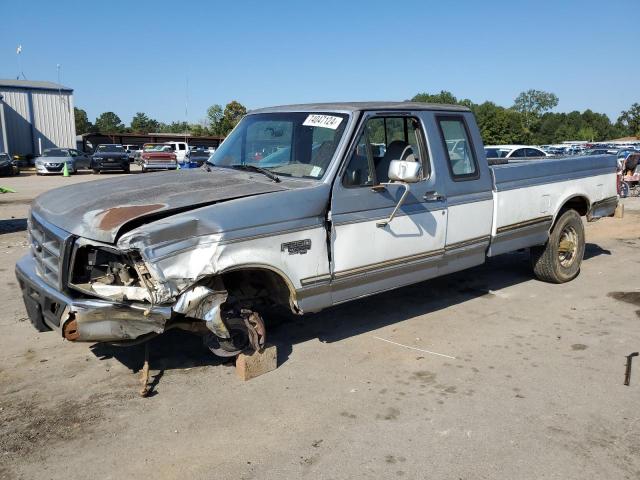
(514, 151)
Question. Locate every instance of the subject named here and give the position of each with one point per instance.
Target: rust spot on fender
(116, 216)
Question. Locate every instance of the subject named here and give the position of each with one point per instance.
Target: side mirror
(401, 173)
(404, 171)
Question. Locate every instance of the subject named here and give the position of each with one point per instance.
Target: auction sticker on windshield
(324, 121)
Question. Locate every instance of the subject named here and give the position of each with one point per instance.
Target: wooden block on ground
(619, 213)
(251, 365)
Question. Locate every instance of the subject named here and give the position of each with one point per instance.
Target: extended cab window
(460, 155)
(384, 139)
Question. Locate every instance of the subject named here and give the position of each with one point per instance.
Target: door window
(384, 139)
(460, 155)
(518, 153)
(533, 153)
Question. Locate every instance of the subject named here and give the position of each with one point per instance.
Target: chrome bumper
(82, 319)
(159, 166)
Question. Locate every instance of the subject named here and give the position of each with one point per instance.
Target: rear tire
(559, 260)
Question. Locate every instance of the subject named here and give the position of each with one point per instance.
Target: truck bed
(527, 193)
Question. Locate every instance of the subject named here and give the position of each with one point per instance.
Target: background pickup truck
(301, 207)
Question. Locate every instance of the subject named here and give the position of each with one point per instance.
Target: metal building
(34, 116)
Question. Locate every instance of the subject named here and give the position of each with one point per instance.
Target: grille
(47, 246)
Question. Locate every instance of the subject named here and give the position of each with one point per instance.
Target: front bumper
(159, 165)
(85, 319)
(53, 169)
(103, 165)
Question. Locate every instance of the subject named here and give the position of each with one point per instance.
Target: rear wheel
(559, 260)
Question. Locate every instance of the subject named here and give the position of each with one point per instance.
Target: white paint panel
(359, 244)
(522, 204)
(469, 220)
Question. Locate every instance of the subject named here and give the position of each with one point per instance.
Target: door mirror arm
(382, 187)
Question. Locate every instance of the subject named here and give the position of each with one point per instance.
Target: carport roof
(33, 85)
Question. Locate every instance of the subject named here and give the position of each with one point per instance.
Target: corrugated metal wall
(53, 119)
(17, 121)
(38, 117)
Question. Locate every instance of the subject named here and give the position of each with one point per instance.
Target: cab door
(366, 257)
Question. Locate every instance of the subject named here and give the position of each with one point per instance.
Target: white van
(180, 149)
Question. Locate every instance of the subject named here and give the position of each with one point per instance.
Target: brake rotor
(246, 331)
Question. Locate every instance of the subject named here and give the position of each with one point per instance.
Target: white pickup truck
(302, 207)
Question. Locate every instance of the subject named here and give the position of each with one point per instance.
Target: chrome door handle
(433, 197)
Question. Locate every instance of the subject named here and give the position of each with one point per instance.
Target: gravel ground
(534, 389)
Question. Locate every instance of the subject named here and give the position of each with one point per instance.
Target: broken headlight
(107, 273)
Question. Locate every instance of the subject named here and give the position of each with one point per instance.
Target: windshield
(56, 152)
(109, 148)
(4, 157)
(292, 144)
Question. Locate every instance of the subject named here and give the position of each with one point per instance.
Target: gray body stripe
(502, 186)
(527, 223)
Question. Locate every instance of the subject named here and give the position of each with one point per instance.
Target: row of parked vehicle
(523, 152)
(116, 157)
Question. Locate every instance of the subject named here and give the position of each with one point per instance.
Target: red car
(157, 156)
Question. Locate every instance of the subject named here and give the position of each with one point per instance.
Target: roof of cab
(360, 106)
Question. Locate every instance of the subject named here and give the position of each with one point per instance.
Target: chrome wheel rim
(568, 246)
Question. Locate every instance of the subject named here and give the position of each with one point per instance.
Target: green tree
(215, 114)
(83, 125)
(532, 104)
(109, 122)
(141, 123)
(629, 121)
(442, 97)
(233, 113)
(498, 125)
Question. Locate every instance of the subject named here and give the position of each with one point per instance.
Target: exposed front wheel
(559, 260)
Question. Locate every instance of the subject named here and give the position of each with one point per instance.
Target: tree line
(219, 121)
(528, 121)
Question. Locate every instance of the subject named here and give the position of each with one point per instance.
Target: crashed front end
(90, 291)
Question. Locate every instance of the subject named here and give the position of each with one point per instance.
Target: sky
(172, 60)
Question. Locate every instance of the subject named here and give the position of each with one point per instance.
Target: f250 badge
(299, 246)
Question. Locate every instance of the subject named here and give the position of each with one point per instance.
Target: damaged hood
(99, 210)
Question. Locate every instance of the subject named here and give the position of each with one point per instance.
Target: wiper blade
(253, 168)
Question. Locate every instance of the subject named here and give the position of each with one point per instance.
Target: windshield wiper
(253, 168)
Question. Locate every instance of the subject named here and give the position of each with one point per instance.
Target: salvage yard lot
(534, 388)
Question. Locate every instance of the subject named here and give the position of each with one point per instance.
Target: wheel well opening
(258, 287)
(579, 204)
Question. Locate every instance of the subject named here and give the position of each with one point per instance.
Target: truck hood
(100, 210)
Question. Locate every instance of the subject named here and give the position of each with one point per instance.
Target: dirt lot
(534, 391)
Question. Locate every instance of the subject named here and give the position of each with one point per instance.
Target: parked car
(8, 166)
(197, 156)
(599, 151)
(132, 151)
(157, 156)
(211, 249)
(110, 157)
(180, 149)
(520, 152)
(52, 160)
